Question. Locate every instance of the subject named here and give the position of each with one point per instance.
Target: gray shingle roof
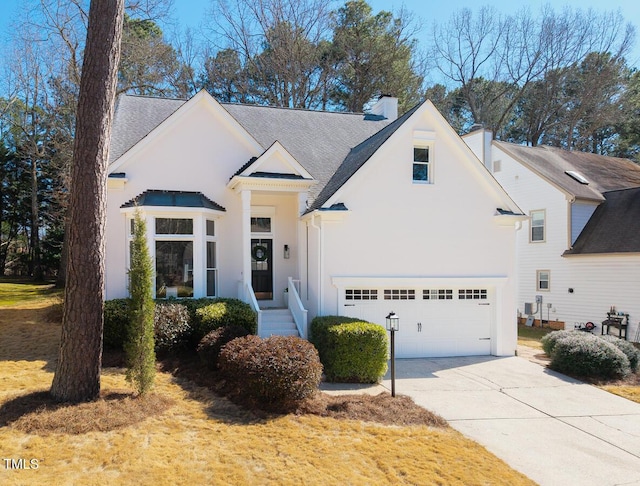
(320, 141)
(357, 157)
(135, 117)
(614, 226)
(603, 173)
(180, 199)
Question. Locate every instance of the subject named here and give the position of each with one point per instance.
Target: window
(261, 225)
(543, 280)
(361, 294)
(174, 226)
(212, 269)
(174, 269)
(537, 225)
(399, 294)
(472, 294)
(437, 294)
(421, 172)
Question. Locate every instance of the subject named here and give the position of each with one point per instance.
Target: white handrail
(296, 308)
(248, 296)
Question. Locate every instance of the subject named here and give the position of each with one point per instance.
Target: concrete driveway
(553, 429)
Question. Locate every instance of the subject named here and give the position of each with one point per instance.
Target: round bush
(630, 351)
(116, 322)
(225, 312)
(171, 326)
(275, 373)
(210, 346)
(351, 351)
(583, 354)
(549, 341)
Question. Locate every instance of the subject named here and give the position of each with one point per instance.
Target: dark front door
(262, 268)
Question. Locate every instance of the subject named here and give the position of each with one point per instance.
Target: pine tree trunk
(77, 376)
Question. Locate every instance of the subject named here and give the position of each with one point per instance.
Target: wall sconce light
(286, 252)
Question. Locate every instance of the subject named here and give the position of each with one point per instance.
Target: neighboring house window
(212, 269)
(361, 294)
(421, 165)
(174, 257)
(543, 280)
(537, 225)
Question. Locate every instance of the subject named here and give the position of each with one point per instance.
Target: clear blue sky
(192, 12)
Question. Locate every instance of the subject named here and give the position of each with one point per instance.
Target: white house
(352, 214)
(580, 251)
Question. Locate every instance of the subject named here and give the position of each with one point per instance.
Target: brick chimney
(386, 106)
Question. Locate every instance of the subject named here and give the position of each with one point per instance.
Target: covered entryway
(434, 321)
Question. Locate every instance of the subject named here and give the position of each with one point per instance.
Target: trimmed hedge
(630, 351)
(583, 354)
(275, 373)
(224, 312)
(171, 326)
(351, 351)
(210, 346)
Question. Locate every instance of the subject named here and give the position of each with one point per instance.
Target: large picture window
(174, 269)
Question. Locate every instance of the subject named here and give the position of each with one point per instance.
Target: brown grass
(185, 434)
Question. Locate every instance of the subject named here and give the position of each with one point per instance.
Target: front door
(262, 268)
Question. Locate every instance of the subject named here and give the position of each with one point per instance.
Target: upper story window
(421, 165)
(537, 226)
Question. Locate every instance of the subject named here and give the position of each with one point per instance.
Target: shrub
(583, 354)
(224, 312)
(549, 341)
(171, 326)
(116, 321)
(275, 373)
(210, 346)
(630, 351)
(139, 345)
(350, 350)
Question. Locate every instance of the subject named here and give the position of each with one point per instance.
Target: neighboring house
(322, 213)
(580, 251)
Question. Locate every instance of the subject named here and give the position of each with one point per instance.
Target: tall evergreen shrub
(139, 346)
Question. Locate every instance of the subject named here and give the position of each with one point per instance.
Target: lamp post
(393, 325)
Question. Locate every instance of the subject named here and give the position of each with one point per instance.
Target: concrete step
(278, 322)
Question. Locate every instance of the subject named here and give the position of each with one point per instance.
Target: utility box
(528, 308)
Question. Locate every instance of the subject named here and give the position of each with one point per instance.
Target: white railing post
(249, 297)
(296, 308)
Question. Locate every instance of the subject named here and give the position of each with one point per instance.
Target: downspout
(320, 260)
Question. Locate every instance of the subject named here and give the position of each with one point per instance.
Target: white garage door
(434, 322)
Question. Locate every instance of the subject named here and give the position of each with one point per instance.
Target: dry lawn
(185, 434)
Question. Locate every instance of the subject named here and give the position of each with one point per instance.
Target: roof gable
(181, 113)
(367, 149)
(275, 160)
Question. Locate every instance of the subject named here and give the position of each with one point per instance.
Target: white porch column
(301, 246)
(246, 237)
